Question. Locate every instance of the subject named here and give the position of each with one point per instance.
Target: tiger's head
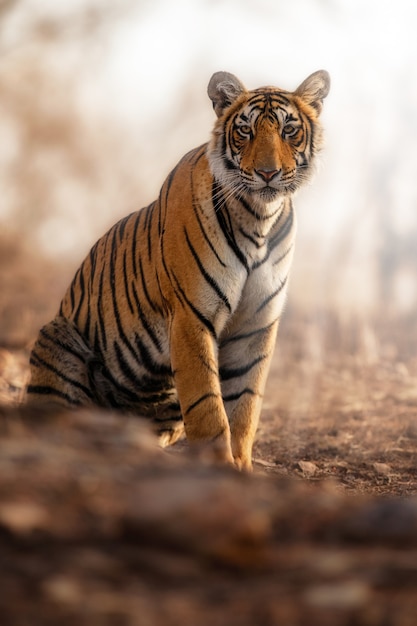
(264, 141)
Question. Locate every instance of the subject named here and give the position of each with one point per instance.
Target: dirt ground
(355, 424)
(352, 423)
(99, 527)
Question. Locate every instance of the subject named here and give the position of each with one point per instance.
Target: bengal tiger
(173, 315)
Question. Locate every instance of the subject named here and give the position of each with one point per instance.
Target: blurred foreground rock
(98, 526)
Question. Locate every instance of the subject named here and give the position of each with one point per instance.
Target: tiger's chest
(263, 293)
(259, 262)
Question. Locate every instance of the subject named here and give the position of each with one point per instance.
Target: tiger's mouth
(268, 193)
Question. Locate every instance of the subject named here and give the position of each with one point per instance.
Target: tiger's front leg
(244, 370)
(195, 366)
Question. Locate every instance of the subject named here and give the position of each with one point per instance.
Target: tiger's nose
(267, 175)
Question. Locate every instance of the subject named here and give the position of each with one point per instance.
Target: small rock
(309, 469)
(382, 468)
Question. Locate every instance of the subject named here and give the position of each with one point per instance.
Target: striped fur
(174, 313)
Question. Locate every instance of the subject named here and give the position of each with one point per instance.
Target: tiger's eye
(245, 129)
(289, 129)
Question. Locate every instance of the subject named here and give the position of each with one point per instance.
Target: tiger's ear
(223, 89)
(314, 89)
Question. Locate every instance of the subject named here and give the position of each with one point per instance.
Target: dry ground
(342, 420)
(353, 423)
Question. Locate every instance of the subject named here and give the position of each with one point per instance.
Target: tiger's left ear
(223, 89)
(314, 89)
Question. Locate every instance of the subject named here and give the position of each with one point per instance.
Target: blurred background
(99, 99)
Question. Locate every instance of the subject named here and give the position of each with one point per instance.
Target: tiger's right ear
(223, 89)
(314, 89)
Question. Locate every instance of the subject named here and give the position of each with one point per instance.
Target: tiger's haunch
(174, 313)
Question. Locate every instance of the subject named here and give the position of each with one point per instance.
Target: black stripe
(164, 263)
(115, 299)
(96, 342)
(149, 233)
(229, 164)
(99, 300)
(207, 277)
(100, 315)
(81, 294)
(134, 242)
(224, 221)
(44, 390)
(148, 362)
(308, 133)
(121, 225)
(206, 396)
(163, 300)
(204, 320)
(282, 101)
(229, 373)
(239, 394)
(144, 393)
(249, 209)
(283, 231)
(146, 325)
(261, 218)
(147, 212)
(145, 291)
(277, 239)
(252, 239)
(177, 291)
(129, 396)
(168, 184)
(249, 334)
(257, 101)
(272, 295)
(213, 369)
(93, 266)
(124, 366)
(87, 321)
(72, 295)
(227, 140)
(203, 232)
(169, 418)
(312, 142)
(125, 283)
(61, 344)
(282, 257)
(59, 374)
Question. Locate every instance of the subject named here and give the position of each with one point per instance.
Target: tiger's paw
(213, 453)
(243, 464)
(219, 455)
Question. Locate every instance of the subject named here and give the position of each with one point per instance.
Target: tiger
(173, 315)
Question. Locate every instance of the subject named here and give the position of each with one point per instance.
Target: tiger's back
(173, 314)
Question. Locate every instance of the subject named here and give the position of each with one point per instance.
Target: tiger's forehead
(270, 101)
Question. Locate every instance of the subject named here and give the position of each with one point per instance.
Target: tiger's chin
(269, 194)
